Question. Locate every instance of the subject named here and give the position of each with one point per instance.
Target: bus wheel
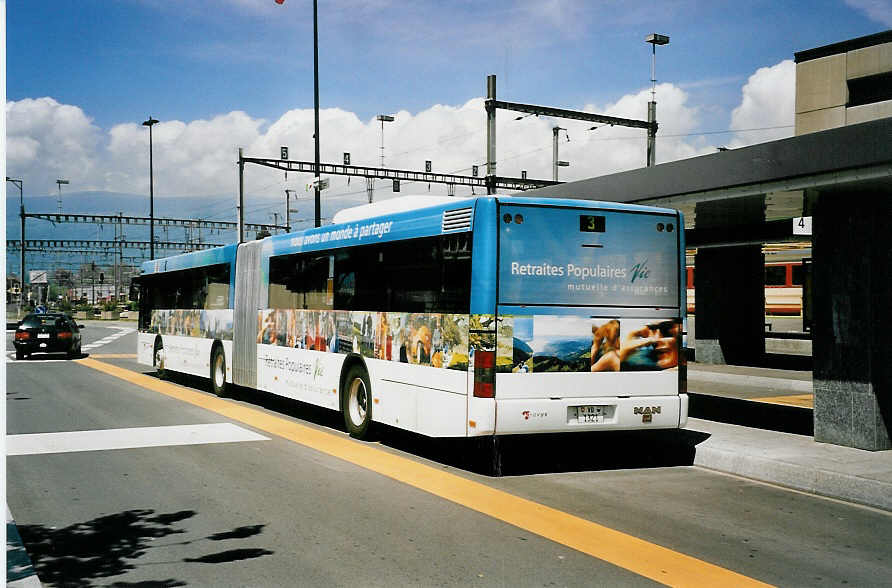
(357, 402)
(218, 372)
(159, 359)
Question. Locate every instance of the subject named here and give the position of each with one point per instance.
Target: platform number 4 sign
(802, 225)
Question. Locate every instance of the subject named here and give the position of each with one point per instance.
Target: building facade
(844, 83)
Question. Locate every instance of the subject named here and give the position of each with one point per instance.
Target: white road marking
(133, 438)
(109, 339)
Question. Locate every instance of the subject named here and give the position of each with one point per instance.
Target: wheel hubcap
(219, 374)
(358, 401)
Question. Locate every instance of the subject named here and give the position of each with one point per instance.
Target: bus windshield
(562, 256)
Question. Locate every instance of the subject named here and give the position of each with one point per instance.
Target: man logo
(647, 412)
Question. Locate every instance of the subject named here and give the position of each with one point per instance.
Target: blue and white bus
(485, 316)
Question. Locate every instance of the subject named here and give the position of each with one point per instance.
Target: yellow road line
(804, 400)
(620, 549)
(112, 356)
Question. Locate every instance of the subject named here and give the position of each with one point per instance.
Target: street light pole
(654, 39)
(383, 118)
(59, 183)
(18, 183)
(317, 191)
(554, 152)
(149, 123)
(370, 182)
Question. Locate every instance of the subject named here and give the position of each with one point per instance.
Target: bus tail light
(682, 366)
(22, 335)
(484, 374)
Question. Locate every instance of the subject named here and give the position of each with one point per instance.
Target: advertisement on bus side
(554, 343)
(525, 344)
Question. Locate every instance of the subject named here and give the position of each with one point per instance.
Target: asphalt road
(260, 491)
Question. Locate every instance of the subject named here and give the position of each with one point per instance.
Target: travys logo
(318, 370)
(528, 414)
(640, 271)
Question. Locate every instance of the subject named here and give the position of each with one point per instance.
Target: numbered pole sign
(802, 225)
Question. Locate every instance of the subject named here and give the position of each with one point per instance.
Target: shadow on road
(517, 454)
(520, 455)
(111, 545)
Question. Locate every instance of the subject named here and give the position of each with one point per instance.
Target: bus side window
(344, 290)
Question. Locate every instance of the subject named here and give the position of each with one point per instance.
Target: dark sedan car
(47, 333)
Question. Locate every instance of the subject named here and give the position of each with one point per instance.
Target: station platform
(757, 423)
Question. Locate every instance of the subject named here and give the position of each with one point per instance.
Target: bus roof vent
(457, 220)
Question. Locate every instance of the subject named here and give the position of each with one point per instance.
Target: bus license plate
(43, 335)
(590, 414)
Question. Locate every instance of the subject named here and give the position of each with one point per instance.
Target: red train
(783, 288)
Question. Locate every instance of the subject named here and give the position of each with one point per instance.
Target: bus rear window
(572, 257)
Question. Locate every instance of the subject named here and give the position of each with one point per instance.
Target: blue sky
(221, 74)
(121, 60)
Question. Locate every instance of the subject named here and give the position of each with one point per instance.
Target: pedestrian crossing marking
(131, 438)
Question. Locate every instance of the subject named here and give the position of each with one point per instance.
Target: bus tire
(218, 372)
(357, 402)
(158, 359)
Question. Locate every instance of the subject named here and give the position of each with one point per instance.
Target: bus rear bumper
(563, 415)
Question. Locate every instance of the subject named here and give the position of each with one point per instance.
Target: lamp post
(317, 191)
(556, 163)
(59, 183)
(149, 123)
(654, 39)
(383, 118)
(18, 183)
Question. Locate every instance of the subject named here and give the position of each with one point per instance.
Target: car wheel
(19, 354)
(218, 372)
(357, 402)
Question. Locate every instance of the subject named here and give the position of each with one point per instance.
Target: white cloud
(48, 140)
(878, 10)
(189, 158)
(768, 102)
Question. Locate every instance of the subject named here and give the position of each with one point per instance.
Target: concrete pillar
(852, 320)
(730, 314)
(730, 287)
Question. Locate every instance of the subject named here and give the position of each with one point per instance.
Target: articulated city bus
(485, 316)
